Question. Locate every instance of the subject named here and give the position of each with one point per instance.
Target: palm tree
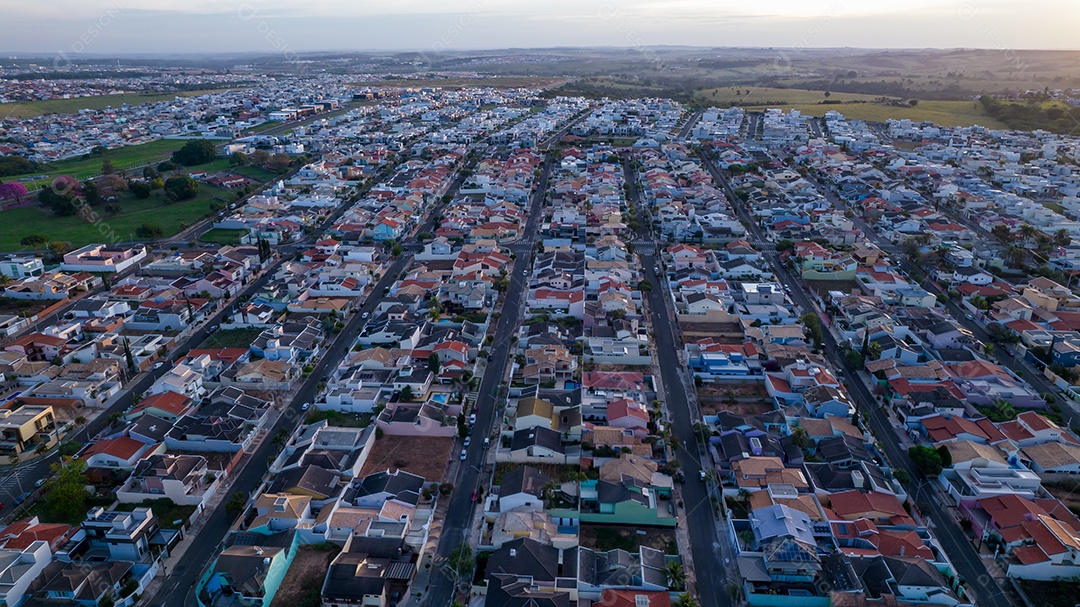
(687, 600)
(1027, 231)
(675, 574)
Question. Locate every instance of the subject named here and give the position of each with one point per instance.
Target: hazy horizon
(109, 27)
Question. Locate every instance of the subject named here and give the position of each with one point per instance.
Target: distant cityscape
(351, 338)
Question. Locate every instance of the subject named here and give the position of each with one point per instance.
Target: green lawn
(123, 158)
(18, 223)
(223, 236)
(758, 95)
(256, 173)
(233, 338)
(29, 109)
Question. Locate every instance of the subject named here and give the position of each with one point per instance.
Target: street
(967, 562)
(700, 521)
(460, 511)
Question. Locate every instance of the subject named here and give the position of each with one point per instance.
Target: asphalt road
(179, 590)
(690, 122)
(1030, 374)
(967, 562)
(459, 513)
(700, 521)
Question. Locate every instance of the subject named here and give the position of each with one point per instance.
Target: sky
(73, 27)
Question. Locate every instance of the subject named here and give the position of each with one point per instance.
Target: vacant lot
(29, 109)
(605, 537)
(233, 338)
(421, 455)
(303, 581)
(1051, 594)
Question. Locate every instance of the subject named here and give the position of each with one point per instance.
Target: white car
(472, 418)
(464, 455)
(468, 441)
(158, 365)
(304, 407)
(365, 315)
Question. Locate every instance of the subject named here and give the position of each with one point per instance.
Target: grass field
(18, 223)
(29, 109)
(256, 173)
(223, 236)
(123, 158)
(758, 95)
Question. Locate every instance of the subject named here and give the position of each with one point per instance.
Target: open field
(945, 113)
(303, 581)
(172, 218)
(503, 82)
(760, 95)
(29, 109)
(422, 455)
(222, 236)
(123, 158)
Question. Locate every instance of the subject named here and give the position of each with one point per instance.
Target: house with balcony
(19, 568)
(127, 536)
(184, 479)
(25, 429)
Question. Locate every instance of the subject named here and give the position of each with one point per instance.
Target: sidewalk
(176, 557)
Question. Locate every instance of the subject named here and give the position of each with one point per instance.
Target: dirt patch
(305, 575)
(824, 286)
(711, 406)
(607, 537)
(422, 455)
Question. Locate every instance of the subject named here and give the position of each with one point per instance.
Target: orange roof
(168, 401)
(856, 503)
(122, 447)
(629, 598)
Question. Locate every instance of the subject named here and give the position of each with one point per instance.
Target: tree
(462, 427)
(945, 455)
(239, 159)
(149, 231)
(902, 476)
(1027, 231)
(460, 560)
(687, 600)
(675, 574)
(65, 492)
(433, 363)
(1062, 238)
(34, 240)
(1001, 232)
(812, 322)
(111, 184)
(195, 153)
(784, 245)
(406, 394)
(140, 189)
(260, 157)
(128, 357)
(107, 167)
(91, 193)
(182, 187)
(1014, 256)
(12, 191)
(926, 459)
(645, 286)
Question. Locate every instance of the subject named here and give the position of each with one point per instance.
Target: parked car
(304, 407)
(158, 365)
(703, 475)
(39, 482)
(475, 496)
(365, 315)
(468, 441)
(464, 455)
(487, 443)
(472, 418)
(22, 498)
